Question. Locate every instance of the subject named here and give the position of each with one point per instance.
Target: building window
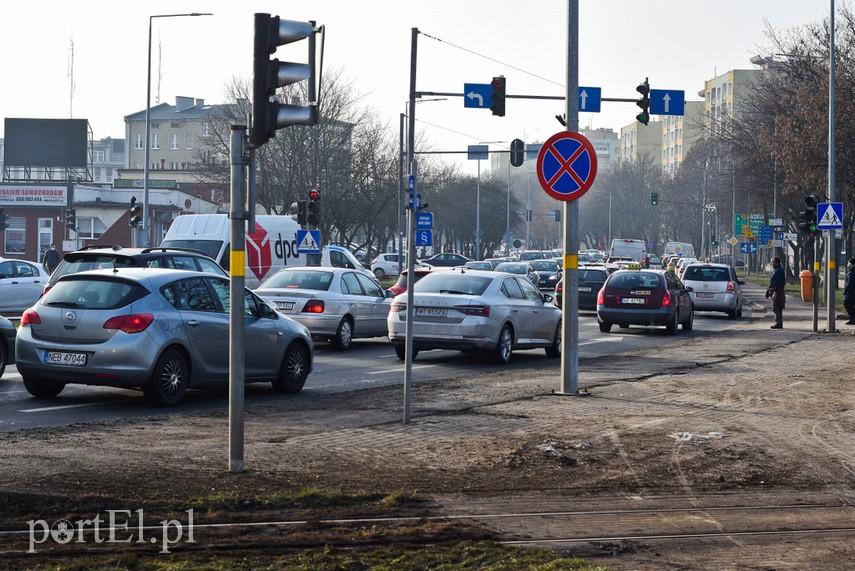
(173, 165)
(175, 125)
(97, 174)
(109, 174)
(138, 141)
(138, 166)
(188, 141)
(205, 154)
(155, 140)
(90, 228)
(15, 236)
(206, 129)
(98, 156)
(173, 141)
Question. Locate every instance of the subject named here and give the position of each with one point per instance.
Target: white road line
(64, 406)
(599, 340)
(399, 369)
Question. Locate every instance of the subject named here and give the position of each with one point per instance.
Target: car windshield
(702, 274)
(93, 293)
(298, 279)
(455, 283)
(632, 280)
(545, 266)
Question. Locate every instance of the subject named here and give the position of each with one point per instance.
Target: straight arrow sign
(667, 102)
(590, 99)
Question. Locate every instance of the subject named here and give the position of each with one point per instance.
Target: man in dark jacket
(776, 291)
(849, 291)
(51, 259)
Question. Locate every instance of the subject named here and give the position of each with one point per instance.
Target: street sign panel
(747, 248)
(424, 237)
(424, 220)
(667, 102)
(308, 241)
(478, 152)
(829, 216)
(477, 95)
(566, 165)
(787, 236)
(590, 99)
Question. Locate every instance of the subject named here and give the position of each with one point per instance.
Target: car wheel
(739, 313)
(671, 325)
(294, 369)
(689, 324)
(40, 388)
(554, 350)
(605, 327)
(343, 335)
(4, 357)
(400, 351)
(379, 273)
(623, 325)
(732, 313)
(504, 347)
(168, 381)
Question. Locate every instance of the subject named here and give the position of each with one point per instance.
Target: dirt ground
(753, 419)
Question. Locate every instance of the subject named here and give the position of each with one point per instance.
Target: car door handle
(193, 322)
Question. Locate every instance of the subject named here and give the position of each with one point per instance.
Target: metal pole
(528, 215)
(147, 141)
(478, 214)
(401, 221)
(508, 218)
(411, 246)
(237, 268)
(831, 248)
(816, 266)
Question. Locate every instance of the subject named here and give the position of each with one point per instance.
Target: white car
(387, 265)
(715, 287)
(21, 284)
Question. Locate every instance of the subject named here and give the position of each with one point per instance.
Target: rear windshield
(443, 282)
(545, 266)
(74, 263)
(93, 293)
(702, 274)
(633, 280)
(592, 275)
(298, 279)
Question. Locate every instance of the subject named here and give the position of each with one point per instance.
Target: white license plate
(703, 295)
(61, 358)
(581, 288)
(636, 300)
(430, 312)
(284, 305)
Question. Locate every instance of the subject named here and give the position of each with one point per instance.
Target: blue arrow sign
(424, 220)
(477, 95)
(748, 247)
(667, 102)
(829, 216)
(590, 99)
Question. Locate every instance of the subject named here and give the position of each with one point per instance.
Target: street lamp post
(147, 141)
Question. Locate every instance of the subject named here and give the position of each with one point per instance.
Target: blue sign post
(424, 220)
(667, 102)
(590, 99)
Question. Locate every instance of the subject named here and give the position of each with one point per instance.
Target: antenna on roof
(70, 74)
(159, 69)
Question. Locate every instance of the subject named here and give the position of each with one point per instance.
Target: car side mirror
(389, 294)
(548, 298)
(266, 312)
(690, 288)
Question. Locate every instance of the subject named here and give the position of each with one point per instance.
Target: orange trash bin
(807, 285)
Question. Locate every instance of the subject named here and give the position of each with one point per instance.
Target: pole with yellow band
(571, 261)
(237, 263)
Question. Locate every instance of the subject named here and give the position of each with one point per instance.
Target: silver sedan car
(335, 304)
(160, 330)
(476, 310)
(715, 287)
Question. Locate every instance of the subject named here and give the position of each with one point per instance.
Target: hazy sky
(677, 44)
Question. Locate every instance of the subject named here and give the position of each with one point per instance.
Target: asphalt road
(369, 363)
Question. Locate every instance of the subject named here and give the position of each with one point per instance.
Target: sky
(676, 44)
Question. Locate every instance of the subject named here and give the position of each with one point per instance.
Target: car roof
(129, 252)
(157, 276)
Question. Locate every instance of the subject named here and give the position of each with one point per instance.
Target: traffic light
(517, 156)
(497, 100)
(70, 218)
(806, 219)
(302, 213)
(644, 102)
(654, 198)
(4, 220)
(270, 74)
(134, 213)
(314, 209)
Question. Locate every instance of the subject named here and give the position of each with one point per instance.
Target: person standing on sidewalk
(776, 291)
(849, 291)
(51, 259)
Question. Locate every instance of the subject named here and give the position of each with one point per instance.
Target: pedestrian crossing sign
(308, 241)
(829, 216)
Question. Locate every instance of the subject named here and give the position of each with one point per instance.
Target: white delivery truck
(271, 247)
(682, 249)
(628, 248)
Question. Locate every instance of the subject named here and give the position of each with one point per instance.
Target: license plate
(61, 358)
(430, 312)
(284, 305)
(584, 288)
(635, 300)
(704, 295)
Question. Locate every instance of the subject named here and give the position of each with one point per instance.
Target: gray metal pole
(478, 214)
(147, 143)
(508, 218)
(237, 267)
(401, 220)
(411, 242)
(570, 307)
(831, 249)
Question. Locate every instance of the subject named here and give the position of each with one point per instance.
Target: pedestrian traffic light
(134, 213)
(497, 100)
(654, 198)
(313, 217)
(70, 218)
(644, 102)
(4, 219)
(517, 156)
(270, 74)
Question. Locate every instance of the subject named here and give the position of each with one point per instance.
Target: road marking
(399, 369)
(64, 406)
(599, 340)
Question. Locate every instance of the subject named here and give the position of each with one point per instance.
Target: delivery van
(682, 249)
(628, 248)
(271, 247)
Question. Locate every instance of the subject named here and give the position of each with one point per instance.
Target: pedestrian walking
(51, 259)
(776, 291)
(849, 291)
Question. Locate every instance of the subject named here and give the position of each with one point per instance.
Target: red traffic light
(314, 195)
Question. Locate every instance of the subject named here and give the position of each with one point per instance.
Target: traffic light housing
(4, 219)
(654, 198)
(517, 152)
(644, 102)
(134, 212)
(71, 218)
(313, 218)
(270, 74)
(497, 100)
(302, 213)
(806, 219)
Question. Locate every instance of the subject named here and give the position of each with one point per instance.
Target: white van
(682, 249)
(271, 247)
(628, 248)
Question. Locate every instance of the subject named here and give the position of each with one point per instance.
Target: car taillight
(47, 289)
(477, 310)
(730, 288)
(601, 297)
(397, 306)
(559, 288)
(133, 323)
(666, 300)
(30, 317)
(314, 306)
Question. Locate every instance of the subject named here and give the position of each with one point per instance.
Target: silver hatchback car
(159, 330)
(715, 287)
